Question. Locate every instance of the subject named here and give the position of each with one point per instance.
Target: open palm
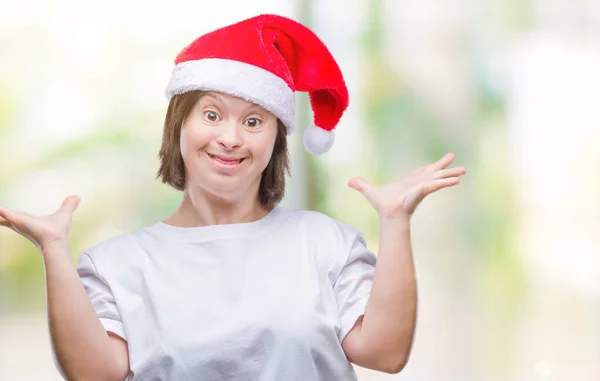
(45, 231)
(401, 198)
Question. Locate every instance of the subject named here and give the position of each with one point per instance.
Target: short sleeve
(353, 286)
(100, 295)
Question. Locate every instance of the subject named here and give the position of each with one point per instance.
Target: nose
(229, 136)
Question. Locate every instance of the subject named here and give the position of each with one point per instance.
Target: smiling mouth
(224, 160)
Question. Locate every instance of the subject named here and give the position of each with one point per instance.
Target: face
(226, 143)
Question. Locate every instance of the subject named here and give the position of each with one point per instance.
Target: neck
(202, 209)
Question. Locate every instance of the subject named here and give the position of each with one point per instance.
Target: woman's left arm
(382, 338)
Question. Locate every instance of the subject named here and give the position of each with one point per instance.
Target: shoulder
(331, 242)
(321, 228)
(315, 220)
(113, 250)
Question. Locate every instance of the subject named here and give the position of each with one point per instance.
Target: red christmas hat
(264, 60)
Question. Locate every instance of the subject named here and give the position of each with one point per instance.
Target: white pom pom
(318, 140)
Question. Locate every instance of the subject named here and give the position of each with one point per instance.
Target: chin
(224, 191)
(226, 187)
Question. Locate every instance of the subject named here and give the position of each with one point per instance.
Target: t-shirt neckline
(208, 232)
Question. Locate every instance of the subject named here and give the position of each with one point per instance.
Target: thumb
(5, 217)
(69, 204)
(360, 184)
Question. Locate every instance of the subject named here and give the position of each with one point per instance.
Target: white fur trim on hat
(318, 140)
(236, 78)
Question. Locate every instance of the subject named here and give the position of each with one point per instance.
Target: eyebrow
(255, 107)
(214, 96)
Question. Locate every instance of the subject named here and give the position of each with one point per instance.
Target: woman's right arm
(82, 348)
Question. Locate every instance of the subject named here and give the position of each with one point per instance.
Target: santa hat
(264, 60)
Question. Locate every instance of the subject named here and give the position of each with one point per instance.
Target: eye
(252, 122)
(212, 116)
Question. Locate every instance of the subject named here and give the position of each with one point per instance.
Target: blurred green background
(508, 262)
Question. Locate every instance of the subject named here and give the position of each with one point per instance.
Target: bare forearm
(389, 322)
(387, 328)
(81, 345)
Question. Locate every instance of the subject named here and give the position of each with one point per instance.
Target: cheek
(265, 151)
(193, 139)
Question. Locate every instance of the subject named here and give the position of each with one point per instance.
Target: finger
(442, 163)
(422, 169)
(4, 222)
(70, 204)
(436, 185)
(450, 172)
(5, 215)
(360, 184)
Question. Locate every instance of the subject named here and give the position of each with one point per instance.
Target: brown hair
(172, 168)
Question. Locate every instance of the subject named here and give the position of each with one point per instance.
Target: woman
(232, 286)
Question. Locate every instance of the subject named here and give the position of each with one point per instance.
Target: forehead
(227, 99)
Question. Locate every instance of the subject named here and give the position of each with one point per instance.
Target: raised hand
(45, 232)
(401, 198)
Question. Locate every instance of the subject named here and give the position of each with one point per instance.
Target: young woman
(231, 286)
